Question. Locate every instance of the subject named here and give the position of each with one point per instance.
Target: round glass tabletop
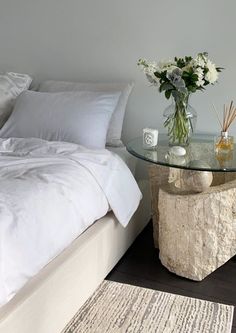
(200, 154)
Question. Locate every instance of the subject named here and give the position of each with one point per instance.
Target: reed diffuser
(225, 143)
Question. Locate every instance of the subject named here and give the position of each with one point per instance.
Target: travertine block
(197, 232)
(158, 176)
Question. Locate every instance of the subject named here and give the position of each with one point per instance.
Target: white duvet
(50, 192)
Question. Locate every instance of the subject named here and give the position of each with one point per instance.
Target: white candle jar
(150, 138)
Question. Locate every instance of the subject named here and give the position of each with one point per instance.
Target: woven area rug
(122, 308)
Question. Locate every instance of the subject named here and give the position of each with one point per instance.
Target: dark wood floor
(141, 266)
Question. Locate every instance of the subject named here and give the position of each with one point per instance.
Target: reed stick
(217, 115)
(229, 115)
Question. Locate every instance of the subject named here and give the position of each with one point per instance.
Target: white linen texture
(116, 123)
(82, 117)
(50, 192)
(11, 86)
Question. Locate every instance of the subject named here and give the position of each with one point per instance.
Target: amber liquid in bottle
(224, 143)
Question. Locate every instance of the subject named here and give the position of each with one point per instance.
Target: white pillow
(11, 86)
(81, 117)
(115, 127)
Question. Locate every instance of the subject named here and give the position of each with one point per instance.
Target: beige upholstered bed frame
(50, 299)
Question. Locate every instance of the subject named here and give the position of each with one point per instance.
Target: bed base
(51, 298)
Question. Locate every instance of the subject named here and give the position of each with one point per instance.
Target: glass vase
(180, 120)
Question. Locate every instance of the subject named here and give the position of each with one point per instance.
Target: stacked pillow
(11, 86)
(80, 117)
(87, 114)
(116, 123)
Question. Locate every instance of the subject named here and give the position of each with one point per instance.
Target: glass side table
(193, 203)
(201, 149)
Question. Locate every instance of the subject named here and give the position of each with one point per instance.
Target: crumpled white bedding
(50, 192)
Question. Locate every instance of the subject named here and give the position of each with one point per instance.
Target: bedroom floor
(140, 266)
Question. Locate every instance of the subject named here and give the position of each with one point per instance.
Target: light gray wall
(101, 40)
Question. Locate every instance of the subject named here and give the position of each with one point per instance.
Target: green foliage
(168, 93)
(182, 62)
(161, 76)
(181, 76)
(166, 86)
(190, 80)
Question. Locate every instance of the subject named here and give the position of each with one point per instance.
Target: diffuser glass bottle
(224, 144)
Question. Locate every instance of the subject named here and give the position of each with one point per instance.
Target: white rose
(212, 74)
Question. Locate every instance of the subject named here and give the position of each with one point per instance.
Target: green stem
(178, 124)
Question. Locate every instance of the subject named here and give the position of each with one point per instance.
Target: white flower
(200, 82)
(200, 74)
(187, 68)
(212, 74)
(168, 66)
(149, 71)
(149, 68)
(152, 67)
(177, 75)
(200, 60)
(152, 78)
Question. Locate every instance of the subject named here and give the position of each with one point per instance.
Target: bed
(47, 300)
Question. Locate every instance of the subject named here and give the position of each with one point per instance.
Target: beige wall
(102, 40)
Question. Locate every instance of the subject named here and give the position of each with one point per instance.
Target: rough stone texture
(158, 175)
(197, 232)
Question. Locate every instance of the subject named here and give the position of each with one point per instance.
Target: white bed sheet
(129, 159)
(50, 192)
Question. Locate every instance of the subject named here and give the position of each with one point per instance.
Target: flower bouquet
(179, 78)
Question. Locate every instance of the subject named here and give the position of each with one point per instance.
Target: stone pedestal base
(158, 176)
(197, 232)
